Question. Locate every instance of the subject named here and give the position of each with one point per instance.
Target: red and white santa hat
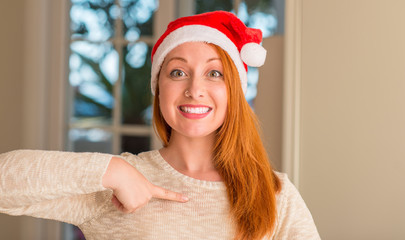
(221, 28)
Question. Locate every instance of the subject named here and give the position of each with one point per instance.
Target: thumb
(161, 193)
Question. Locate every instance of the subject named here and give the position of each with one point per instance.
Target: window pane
(136, 95)
(259, 14)
(93, 71)
(90, 140)
(135, 144)
(138, 18)
(212, 5)
(93, 19)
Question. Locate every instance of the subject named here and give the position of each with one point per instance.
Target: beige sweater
(67, 187)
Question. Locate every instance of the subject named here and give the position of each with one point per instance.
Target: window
(109, 99)
(109, 64)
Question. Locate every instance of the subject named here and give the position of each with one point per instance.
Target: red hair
(240, 159)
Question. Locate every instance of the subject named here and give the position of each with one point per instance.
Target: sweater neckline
(168, 168)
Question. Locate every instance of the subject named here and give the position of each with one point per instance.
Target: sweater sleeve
(295, 221)
(62, 186)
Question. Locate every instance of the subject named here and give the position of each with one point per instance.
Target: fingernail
(184, 198)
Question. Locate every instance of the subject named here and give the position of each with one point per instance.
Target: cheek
(164, 100)
(221, 99)
(167, 98)
(221, 96)
(169, 89)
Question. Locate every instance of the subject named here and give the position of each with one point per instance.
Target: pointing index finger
(163, 193)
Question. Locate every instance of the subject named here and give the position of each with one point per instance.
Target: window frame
(117, 128)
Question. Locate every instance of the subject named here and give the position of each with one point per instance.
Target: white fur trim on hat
(197, 33)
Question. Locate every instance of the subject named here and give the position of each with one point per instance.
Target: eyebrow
(184, 60)
(213, 59)
(177, 58)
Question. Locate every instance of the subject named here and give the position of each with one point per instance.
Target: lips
(194, 111)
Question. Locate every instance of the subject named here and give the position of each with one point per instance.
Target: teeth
(197, 110)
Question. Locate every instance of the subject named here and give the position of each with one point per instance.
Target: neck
(192, 156)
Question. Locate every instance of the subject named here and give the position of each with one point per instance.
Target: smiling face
(192, 90)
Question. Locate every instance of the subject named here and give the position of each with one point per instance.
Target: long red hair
(240, 159)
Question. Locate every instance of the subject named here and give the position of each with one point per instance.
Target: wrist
(110, 177)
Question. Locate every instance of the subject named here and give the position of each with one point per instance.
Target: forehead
(194, 50)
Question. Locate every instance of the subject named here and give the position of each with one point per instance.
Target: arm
(49, 184)
(72, 187)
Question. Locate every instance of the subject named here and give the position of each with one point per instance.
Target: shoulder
(148, 163)
(139, 159)
(288, 189)
(294, 218)
(289, 196)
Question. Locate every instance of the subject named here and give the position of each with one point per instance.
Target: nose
(196, 88)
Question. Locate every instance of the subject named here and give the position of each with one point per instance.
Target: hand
(131, 189)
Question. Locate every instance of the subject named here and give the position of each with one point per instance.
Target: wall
(11, 61)
(31, 92)
(268, 103)
(352, 117)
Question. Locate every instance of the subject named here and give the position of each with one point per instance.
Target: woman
(212, 178)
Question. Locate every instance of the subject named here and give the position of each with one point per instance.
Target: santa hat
(221, 28)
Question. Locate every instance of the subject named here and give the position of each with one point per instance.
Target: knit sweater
(67, 187)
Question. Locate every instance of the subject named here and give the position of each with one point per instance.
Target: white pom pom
(253, 54)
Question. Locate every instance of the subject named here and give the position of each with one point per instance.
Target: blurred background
(75, 76)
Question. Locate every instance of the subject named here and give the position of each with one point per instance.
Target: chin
(197, 133)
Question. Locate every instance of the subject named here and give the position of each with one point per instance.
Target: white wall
(351, 72)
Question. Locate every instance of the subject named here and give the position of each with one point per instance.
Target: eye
(177, 73)
(215, 74)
